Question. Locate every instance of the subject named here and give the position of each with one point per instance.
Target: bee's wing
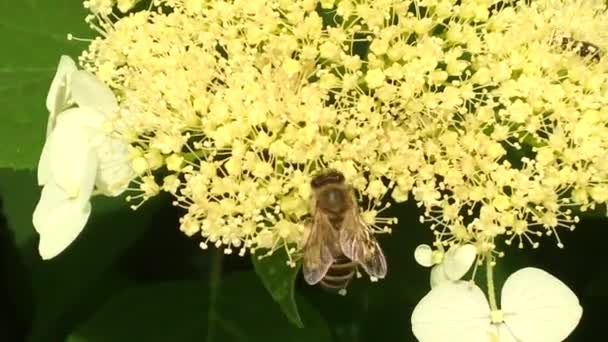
(317, 254)
(360, 246)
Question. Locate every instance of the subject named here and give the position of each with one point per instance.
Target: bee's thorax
(333, 200)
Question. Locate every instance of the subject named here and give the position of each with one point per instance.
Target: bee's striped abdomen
(339, 275)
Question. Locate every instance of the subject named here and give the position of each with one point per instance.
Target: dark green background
(133, 276)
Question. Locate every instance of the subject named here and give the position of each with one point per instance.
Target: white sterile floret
(58, 97)
(69, 164)
(59, 218)
(535, 306)
(114, 172)
(449, 266)
(424, 255)
(78, 156)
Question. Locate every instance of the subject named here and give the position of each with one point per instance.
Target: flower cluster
(238, 104)
(517, 138)
(491, 115)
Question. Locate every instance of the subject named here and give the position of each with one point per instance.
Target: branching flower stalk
(490, 280)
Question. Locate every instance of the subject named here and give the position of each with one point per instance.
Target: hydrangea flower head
(241, 103)
(489, 114)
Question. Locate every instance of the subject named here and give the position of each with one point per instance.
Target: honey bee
(582, 48)
(339, 239)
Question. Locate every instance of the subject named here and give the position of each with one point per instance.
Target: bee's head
(326, 178)
(331, 192)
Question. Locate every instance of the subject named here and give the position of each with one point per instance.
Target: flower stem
(490, 279)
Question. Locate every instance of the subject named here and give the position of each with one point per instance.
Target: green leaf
(20, 192)
(243, 314)
(164, 312)
(279, 280)
(34, 35)
(598, 285)
(62, 286)
(15, 290)
(178, 311)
